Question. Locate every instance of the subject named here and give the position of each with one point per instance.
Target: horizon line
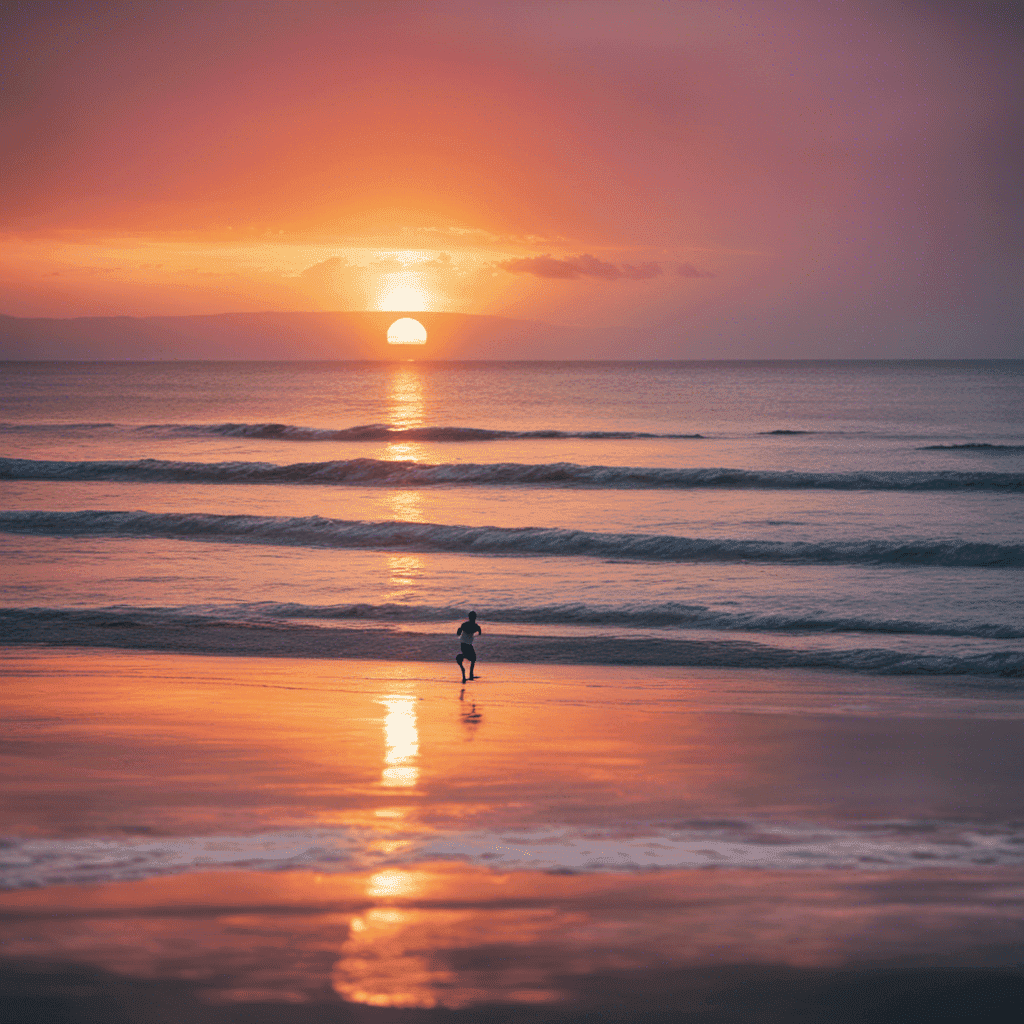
(794, 359)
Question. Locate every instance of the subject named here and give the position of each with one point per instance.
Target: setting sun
(407, 331)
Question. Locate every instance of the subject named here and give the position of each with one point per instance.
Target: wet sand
(708, 946)
(256, 839)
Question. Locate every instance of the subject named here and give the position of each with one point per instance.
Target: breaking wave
(670, 614)
(315, 531)
(385, 473)
(385, 432)
(191, 632)
(377, 432)
(364, 432)
(973, 446)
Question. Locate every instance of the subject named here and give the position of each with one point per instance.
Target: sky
(704, 179)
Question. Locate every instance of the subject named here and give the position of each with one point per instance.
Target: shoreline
(65, 628)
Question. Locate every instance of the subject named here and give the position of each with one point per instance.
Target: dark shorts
(468, 651)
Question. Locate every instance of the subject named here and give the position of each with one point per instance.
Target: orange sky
(753, 179)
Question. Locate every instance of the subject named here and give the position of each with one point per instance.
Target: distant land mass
(293, 335)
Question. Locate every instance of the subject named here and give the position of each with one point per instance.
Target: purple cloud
(541, 266)
(642, 272)
(580, 266)
(689, 270)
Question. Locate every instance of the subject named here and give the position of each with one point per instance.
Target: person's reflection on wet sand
(471, 719)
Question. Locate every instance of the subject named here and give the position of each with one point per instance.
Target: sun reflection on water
(395, 882)
(404, 576)
(405, 506)
(405, 398)
(406, 410)
(390, 813)
(401, 743)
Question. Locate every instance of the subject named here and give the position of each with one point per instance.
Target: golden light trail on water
(405, 397)
(401, 739)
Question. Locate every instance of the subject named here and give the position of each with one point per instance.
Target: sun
(407, 332)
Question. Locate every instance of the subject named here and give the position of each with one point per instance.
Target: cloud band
(573, 267)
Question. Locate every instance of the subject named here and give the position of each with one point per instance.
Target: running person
(466, 632)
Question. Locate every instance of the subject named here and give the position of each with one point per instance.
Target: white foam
(871, 846)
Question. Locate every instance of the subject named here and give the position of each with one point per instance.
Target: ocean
(745, 742)
(862, 517)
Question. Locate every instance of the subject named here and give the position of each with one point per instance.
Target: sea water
(861, 516)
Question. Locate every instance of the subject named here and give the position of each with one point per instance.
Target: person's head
(472, 616)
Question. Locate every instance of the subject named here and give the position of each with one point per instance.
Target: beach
(236, 838)
(745, 742)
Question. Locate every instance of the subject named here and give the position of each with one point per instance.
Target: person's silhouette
(466, 633)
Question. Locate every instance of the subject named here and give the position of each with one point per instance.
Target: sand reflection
(406, 956)
(412, 958)
(401, 743)
(449, 936)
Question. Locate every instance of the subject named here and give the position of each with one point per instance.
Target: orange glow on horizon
(752, 171)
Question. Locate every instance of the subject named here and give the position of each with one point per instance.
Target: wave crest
(315, 531)
(973, 446)
(386, 432)
(667, 615)
(203, 634)
(385, 473)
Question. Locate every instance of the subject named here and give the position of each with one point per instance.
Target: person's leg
(458, 661)
(472, 665)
